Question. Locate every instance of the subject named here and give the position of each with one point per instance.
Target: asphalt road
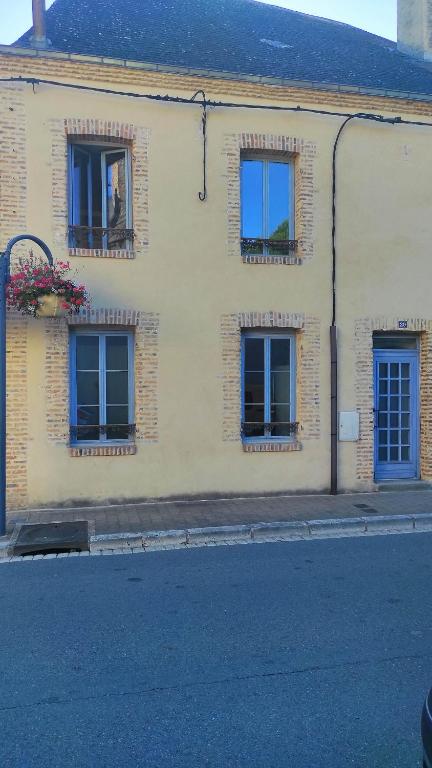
(295, 655)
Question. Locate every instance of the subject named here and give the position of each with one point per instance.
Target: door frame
(399, 355)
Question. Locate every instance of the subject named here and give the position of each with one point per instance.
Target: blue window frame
(267, 205)
(268, 386)
(102, 386)
(99, 196)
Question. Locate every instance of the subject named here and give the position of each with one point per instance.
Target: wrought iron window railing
(99, 237)
(92, 432)
(250, 428)
(261, 247)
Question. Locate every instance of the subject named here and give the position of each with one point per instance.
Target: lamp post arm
(4, 279)
(7, 252)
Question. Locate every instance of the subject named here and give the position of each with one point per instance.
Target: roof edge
(214, 74)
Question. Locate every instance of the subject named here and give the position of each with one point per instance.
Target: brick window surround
(307, 380)
(146, 325)
(363, 337)
(132, 136)
(303, 154)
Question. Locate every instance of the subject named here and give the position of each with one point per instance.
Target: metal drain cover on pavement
(40, 538)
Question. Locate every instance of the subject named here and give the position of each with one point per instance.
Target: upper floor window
(267, 206)
(268, 386)
(101, 399)
(99, 196)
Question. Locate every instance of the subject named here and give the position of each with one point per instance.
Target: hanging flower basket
(50, 305)
(42, 290)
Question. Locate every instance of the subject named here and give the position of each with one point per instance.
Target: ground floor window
(101, 388)
(268, 386)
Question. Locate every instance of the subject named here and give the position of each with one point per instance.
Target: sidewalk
(162, 516)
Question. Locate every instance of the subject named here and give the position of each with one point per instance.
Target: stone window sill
(129, 449)
(102, 253)
(272, 447)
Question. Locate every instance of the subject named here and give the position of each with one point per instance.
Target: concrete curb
(256, 532)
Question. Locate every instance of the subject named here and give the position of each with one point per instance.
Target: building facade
(203, 365)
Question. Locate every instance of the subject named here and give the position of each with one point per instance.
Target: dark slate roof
(243, 37)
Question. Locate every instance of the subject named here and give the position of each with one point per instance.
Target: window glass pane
(389, 341)
(87, 353)
(278, 201)
(280, 354)
(80, 198)
(117, 387)
(280, 372)
(405, 453)
(254, 416)
(117, 353)
(281, 412)
(116, 200)
(252, 198)
(254, 354)
(87, 415)
(88, 388)
(254, 387)
(382, 454)
(119, 416)
(394, 454)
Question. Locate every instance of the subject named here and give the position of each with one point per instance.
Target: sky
(378, 16)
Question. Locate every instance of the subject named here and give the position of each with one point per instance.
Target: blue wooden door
(396, 416)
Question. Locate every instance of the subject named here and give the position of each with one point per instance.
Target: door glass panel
(393, 433)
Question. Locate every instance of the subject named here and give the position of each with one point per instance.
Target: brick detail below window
(308, 370)
(134, 136)
(271, 447)
(363, 337)
(103, 450)
(102, 253)
(303, 153)
(146, 371)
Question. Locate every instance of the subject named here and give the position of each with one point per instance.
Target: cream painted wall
(384, 268)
